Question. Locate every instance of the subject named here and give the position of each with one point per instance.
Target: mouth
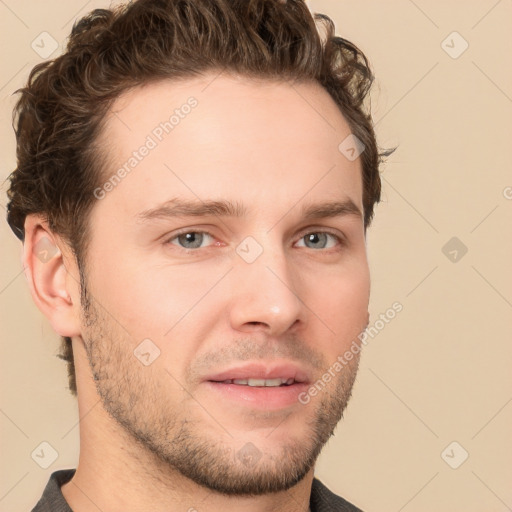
(260, 386)
(258, 383)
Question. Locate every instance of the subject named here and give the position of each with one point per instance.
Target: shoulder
(52, 499)
(323, 500)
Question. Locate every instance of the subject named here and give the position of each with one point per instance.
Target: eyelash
(339, 239)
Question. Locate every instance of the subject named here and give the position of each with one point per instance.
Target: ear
(52, 276)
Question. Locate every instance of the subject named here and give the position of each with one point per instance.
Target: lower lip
(268, 398)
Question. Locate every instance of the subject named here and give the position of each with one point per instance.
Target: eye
(320, 240)
(190, 239)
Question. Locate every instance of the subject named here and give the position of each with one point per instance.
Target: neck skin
(115, 473)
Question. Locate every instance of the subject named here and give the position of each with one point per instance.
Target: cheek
(148, 313)
(340, 299)
(145, 302)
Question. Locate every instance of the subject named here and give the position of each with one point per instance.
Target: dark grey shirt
(52, 500)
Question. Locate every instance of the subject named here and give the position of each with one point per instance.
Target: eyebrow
(225, 208)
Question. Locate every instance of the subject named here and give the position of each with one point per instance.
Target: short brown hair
(59, 115)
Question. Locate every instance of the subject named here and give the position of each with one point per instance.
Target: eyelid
(322, 229)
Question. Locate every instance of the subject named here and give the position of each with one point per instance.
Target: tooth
(261, 382)
(256, 382)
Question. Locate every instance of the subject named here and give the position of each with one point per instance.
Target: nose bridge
(264, 285)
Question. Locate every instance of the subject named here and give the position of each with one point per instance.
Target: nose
(264, 294)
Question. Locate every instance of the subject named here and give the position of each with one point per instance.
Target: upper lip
(262, 370)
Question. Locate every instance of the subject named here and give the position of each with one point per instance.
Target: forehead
(226, 136)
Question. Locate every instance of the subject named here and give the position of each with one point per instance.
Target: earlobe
(47, 277)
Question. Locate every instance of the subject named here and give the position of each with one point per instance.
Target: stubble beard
(171, 438)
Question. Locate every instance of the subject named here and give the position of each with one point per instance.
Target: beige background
(440, 371)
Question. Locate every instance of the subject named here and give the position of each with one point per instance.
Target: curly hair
(59, 114)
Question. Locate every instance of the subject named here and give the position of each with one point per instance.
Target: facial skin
(162, 433)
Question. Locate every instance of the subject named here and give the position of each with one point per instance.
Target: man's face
(267, 295)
